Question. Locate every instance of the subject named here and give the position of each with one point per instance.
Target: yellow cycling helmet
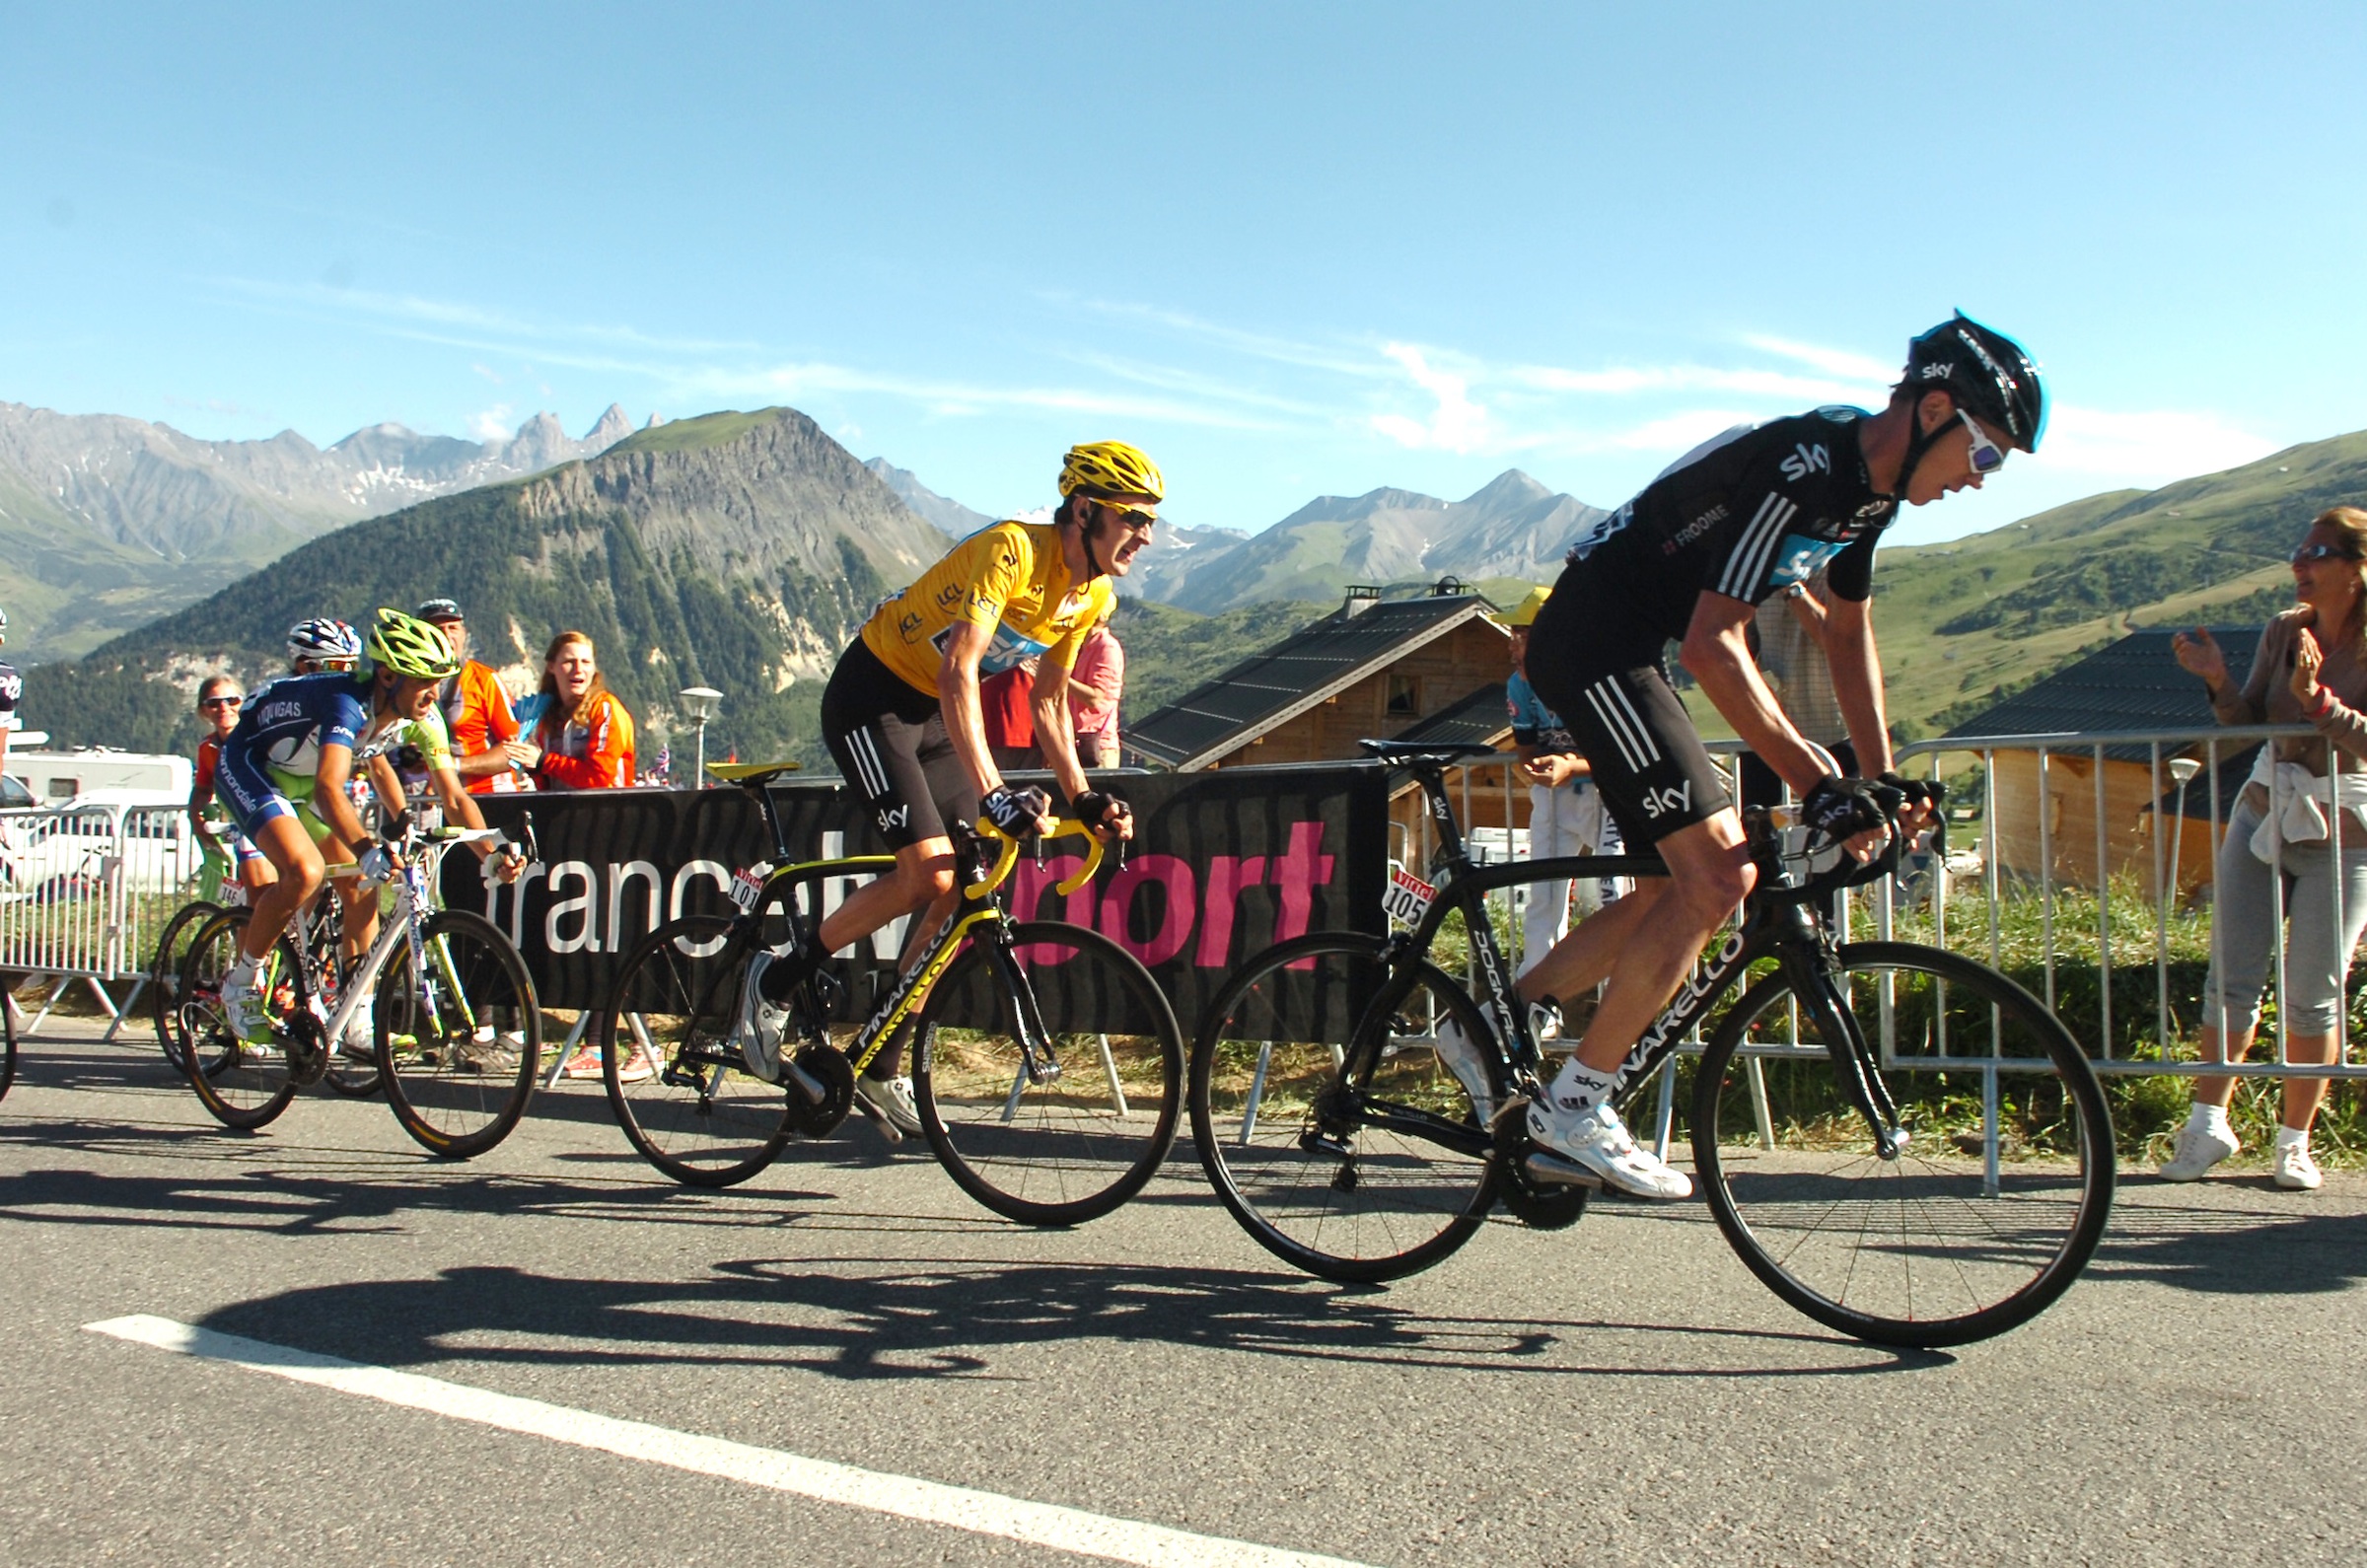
(1111, 468)
(1525, 612)
(410, 647)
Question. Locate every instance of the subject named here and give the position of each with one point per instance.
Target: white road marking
(929, 1502)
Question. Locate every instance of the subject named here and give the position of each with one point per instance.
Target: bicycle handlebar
(1007, 856)
(1848, 874)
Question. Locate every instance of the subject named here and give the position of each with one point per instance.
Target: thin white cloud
(1643, 380)
(1844, 363)
(491, 424)
(1457, 424)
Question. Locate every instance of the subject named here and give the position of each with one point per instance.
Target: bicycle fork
(1853, 1061)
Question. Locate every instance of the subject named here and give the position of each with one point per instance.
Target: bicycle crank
(821, 1088)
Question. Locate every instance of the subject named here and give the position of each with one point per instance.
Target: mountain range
(107, 521)
(737, 550)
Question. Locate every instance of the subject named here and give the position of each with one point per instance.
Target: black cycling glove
(1842, 808)
(1098, 808)
(1916, 791)
(1014, 811)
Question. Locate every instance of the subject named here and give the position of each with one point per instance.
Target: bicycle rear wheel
(164, 977)
(459, 1036)
(669, 1052)
(1301, 1155)
(242, 1085)
(1934, 1247)
(1085, 1129)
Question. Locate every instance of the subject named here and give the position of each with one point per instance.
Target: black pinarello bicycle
(1899, 1141)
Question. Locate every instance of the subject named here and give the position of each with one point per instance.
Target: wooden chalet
(2133, 684)
(1428, 667)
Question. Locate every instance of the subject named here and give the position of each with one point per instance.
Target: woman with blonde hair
(2300, 813)
(584, 739)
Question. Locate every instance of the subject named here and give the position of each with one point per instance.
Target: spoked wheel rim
(1934, 1245)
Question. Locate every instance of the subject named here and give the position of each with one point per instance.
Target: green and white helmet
(410, 647)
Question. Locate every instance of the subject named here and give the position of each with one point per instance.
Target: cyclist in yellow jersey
(902, 718)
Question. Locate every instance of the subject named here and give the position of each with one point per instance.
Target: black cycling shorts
(890, 745)
(1603, 676)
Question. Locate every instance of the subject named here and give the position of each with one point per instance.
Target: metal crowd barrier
(83, 889)
(2085, 872)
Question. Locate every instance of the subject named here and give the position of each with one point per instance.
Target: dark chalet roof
(2133, 684)
(1267, 691)
(1481, 718)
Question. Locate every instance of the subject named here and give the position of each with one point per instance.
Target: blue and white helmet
(323, 638)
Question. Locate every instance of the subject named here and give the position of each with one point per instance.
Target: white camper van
(59, 778)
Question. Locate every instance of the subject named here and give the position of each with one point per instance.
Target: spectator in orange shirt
(477, 711)
(584, 740)
(1095, 684)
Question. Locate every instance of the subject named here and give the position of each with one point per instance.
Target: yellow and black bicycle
(1046, 1064)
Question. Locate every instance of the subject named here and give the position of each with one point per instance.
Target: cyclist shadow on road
(2215, 1250)
(892, 1320)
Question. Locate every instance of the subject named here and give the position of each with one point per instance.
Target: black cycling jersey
(1755, 510)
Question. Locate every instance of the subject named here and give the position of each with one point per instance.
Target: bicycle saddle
(1403, 752)
(750, 773)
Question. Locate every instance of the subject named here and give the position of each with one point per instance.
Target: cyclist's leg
(268, 819)
(890, 747)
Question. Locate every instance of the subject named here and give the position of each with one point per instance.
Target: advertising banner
(1222, 864)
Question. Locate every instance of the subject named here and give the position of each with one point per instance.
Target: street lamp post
(2183, 770)
(699, 704)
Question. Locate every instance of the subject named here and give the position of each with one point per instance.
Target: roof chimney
(1361, 597)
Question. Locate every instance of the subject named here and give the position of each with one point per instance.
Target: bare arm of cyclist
(460, 807)
(1857, 688)
(331, 804)
(1717, 654)
(965, 643)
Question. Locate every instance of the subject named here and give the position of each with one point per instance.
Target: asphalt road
(1619, 1392)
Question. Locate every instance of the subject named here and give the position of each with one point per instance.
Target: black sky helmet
(1987, 373)
(1989, 377)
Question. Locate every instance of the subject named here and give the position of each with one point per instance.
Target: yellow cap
(1525, 612)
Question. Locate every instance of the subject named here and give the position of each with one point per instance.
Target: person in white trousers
(1565, 810)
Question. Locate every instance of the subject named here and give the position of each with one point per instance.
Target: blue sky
(1290, 249)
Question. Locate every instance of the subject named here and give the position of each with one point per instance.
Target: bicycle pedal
(1549, 1168)
(1317, 1141)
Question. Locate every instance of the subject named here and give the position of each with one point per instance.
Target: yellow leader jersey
(1009, 576)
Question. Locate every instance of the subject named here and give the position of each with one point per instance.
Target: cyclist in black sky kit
(1732, 523)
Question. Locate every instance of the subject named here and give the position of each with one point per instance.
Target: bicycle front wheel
(459, 1035)
(669, 1049)
(1988, 1212)
(1322, 1151)
(242, 1085)
(1071, 1125)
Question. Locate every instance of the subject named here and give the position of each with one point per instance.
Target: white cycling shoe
(1597, 1139)
(760, 1024)
(888, 1101)
(1458, 1055)
(241, 1009)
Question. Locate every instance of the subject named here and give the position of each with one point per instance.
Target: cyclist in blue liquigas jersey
(299, 740)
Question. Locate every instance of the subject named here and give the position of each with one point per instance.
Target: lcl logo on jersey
(1675, 797)
(1806, 459)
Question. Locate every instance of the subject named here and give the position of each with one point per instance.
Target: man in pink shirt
(1093, 691)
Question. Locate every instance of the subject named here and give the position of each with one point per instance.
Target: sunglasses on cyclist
(1988, 456)
(221, 702)
(2323, 552)
(1131, 517)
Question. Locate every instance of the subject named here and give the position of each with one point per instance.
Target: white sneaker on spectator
(1598, 1140)
(888, 1101)
(2294, 1169)
(1458, 1055)
(2199, 1149)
